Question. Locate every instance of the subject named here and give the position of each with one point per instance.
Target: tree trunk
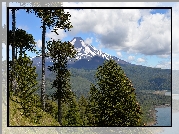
(43, 67)
(59, 107)
(59, 99)
(13, 51)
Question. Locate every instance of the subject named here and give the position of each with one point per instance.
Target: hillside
(88, 59)
(143, 78)
(17, 119)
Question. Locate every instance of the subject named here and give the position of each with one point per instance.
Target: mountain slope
(85, 53)
(89, 58)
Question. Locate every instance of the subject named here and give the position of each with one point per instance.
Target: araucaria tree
(59, 53)
(55, 18)
(113, 100)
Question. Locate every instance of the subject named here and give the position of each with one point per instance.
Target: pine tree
(59, 53)
(115, 99)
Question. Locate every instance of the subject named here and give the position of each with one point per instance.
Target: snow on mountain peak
(85, 50)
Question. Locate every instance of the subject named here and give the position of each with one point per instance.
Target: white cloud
(119, 54)
(119, 29)
(89, 40)
(61, 32)
(164, 56)
(39, 43)
(131, 58)
(140, 60)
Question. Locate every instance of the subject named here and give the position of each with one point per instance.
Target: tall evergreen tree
(59, 53)
(51, 18)
(114, 98)
(24, 42)
(14, 83)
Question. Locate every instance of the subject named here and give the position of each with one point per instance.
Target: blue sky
(142, 36)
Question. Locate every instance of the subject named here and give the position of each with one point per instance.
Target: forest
(107, 96)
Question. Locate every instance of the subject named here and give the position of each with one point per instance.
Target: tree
(59, 53)
(83, 110)
(71, 116)
(13, 49)
(23, 41)
(114, 97)
(26, 79)
(51, 18)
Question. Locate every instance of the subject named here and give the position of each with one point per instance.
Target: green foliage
(147, 78)
(25, 76)
(22, 40)
(148, 101)
(114, 99)
(83, 111)
(53, 18)
(71, 117)
(26, 80)
(59, 53)
(37, 117)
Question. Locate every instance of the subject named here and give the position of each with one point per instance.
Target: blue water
(163, 116)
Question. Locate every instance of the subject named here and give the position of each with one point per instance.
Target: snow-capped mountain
(85, 52)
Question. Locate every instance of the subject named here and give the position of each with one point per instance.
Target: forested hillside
(143, 78)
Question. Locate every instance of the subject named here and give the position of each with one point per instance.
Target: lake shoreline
(154, 114)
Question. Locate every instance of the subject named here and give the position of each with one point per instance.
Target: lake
(175, 118)
(163, 116)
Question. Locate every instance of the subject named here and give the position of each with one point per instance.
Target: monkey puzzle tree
(114, 98)
(55, 18)
(59, 53)
(24, 42)
(13, 48)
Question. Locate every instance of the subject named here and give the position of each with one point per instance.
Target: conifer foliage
(59, 53)
(113, 100)
(55, 18)
(26, 79)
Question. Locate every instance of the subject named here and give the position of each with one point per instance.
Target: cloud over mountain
(130, 30)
